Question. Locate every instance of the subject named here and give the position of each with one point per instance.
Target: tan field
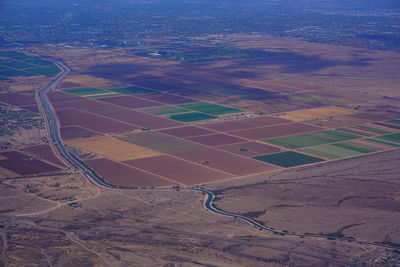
(315, 113)
(113, 148)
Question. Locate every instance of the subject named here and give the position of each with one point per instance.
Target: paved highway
(53, 128)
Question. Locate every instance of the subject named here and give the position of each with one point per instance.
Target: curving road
(53, 128)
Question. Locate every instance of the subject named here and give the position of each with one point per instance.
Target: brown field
(71, 117)
(216, 139)
(46, 153)
(121, 175)
(65, 85)
(74, 132)
(244, 123)
(250, 149)
(338, 121)
(33, 108)
(275, 131)
(4, 173)
(178, 170)
(314, 113)
(130, 102)
(113, 148)
(369, 116)
(17, 99)
(87, 80)
(226, 162)
(23, 164)
(56, 96)
(186, 131)
(166, 98)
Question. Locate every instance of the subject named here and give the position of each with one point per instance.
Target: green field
(372, 129)
(85, 91)
(288, 159)
(130, 90)
(330, 152)
(14, 55)
(4, 79)
(15, 73)
(391, 137)
(40, 62)
(310, 139)
(48, 72)
(194, 116)
(352, 131)
(163, 110)
(15, 64)
(209, 108)
(362, 148)
(389, 144)
(160, 142)
(103, 96)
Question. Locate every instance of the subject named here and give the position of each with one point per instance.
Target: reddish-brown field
(46, 153)
(23, 164)
(55, 96)
(217, 139)
(33, 108)
(121, 175)
(250, 149)
(65, 85)
(244, 123)
(275, 131)
(187, 131)
(178, 170)
(166, 98)
(74, 132)
(130, 101)
(69, 117)
(17, 99)
(226, 162)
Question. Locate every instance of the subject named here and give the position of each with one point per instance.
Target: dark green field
(163, 110)
(391, 137)
(310, 139)
(372, 129)
(130, 90)
(383, 142)
(15, 73)
(352, 131)
(209, 108)
(14, 55)
(39, 62)
(395, 121)
(288, 159)
(194, 116)
(48, 72)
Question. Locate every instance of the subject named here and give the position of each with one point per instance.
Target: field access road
(52, 126)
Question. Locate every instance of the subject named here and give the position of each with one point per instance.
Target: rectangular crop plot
(40, 62)
(314, 113)
(45, 152)
(164, 110)
(209, 108)
(353, 131)
(275, 131)
(17, 99)
(391, 137)
(394, 121)
(178, 170)
(14, 55)
(330, 151)
(15, 64)
(371, 129)
(250, 149)
(166, 98)
(48, 72)
(310, 139)
(381, 142)
(112, 148)
(24, 164)
(73, 117)
(242, 124)
(130, 102)
(194, 116)
(57, 96)
(74, 132)
(15, 73)
(187, 131)
(129, 90)
(85, 91)
(216, 139)
(288, 159)
(125, 176)
(358, 147)
(160, 142)
(226, 162)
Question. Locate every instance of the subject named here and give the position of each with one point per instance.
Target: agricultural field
(395, 137)
(191, 116)
(288, 159)
(209, 108)
(113, 148)
(309, 114)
